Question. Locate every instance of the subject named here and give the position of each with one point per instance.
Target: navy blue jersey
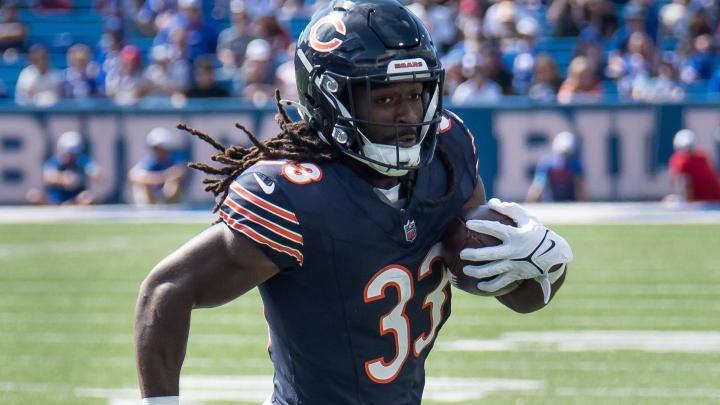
(362, 293)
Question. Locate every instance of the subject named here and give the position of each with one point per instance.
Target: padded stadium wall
(625, 147)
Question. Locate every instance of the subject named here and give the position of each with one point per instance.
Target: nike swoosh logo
(267, 189)
(552, 245)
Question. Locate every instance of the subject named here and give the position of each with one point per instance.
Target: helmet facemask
(352, 134)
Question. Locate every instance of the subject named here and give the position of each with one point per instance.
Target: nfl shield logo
(410, 230)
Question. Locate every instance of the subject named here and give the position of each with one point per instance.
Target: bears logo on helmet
(326, 46)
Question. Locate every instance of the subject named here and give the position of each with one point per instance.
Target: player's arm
(213, 268)
(537, 187)
(145, 177)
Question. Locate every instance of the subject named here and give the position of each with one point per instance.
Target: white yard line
(202, 389)
(611, 365)
(593, 340)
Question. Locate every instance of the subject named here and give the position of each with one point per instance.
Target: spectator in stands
(112, 13)
(189, 28)
(269, 29)
(699, 22)
(38, 83)
(108, 54)
(471, 9)
(80, 77)
(686, 19)
(663, 87)
(674, 18)
(600, 16)
(570, 17)
(500, 18)
(13, 33)
(3, 89)
(545, 80)
(581, 84)
(166, 77)
(591, 45)
(692, 176)
(258, 77)
(494, 68)
(53, 5)
(521, 52)
(67, 174)
(290, 11)
(285, 79)
(258, 9)
(154, 14)
(454, 74)
(127, 85)
(559, 175)
(471, 43)
(204, 84)
(438, 19)
(159, 176)
(233, 41)
(477, 88)
(640, 60)
(566, 17)
(697, 64)
(636, 18)
(714, 84)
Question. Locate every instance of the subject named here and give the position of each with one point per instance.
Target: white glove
(527, 251)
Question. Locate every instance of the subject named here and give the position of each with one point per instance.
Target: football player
(337, 220)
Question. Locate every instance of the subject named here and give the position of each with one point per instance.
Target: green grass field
(637, 322)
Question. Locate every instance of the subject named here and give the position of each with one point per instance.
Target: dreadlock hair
(295, 142)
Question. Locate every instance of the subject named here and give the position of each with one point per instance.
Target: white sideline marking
(65, 247)
(555, 213)
(611, 366)
(196, 389)
(635, 392)
(593, 340)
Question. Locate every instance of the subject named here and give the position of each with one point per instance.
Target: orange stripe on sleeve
(284, 232)
(266, 205)
(261, 239)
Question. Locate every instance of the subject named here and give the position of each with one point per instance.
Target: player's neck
(371, 175)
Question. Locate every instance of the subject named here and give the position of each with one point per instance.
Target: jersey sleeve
(257, 207)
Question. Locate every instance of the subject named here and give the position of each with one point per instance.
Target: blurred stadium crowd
(561, 51)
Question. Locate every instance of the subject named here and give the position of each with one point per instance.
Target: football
(458, 237)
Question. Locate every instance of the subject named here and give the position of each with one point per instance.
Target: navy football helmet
(370, 43)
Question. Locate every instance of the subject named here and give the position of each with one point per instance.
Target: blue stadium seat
(81, 15)
(296, 26)
(557, 44)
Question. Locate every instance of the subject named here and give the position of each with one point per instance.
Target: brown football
(458, 237)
